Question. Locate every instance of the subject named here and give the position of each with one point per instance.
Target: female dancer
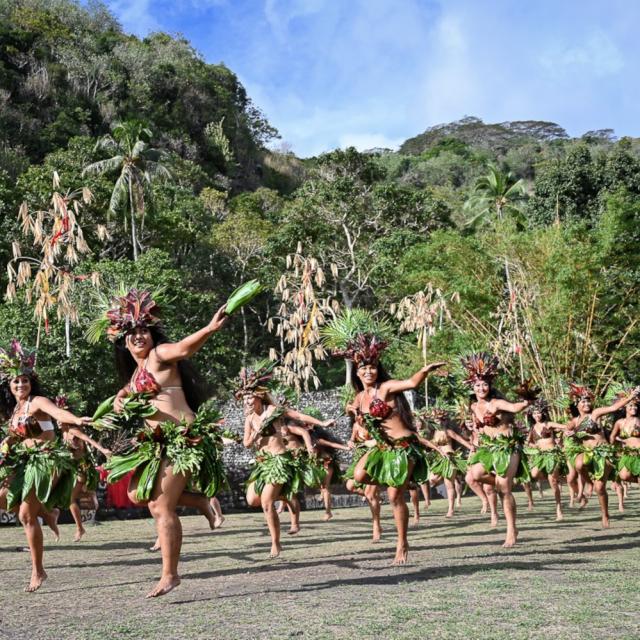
(544, 453)
(86, 475)
(274, 474)
(592, 454)
(498, 461)
(360, 443)
(445, 462)
(326, 445)
(174, 436)
(626, 432)
(398, 455)
(36, 474)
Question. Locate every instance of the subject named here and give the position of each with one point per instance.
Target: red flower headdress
(136, 309)
(480, 366)
(254, 380)
(578, 392)
(15, 361)
(365, 348)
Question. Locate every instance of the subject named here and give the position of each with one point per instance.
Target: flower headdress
(124, 310)
(365, 348)
(15, 361)
(254, 380)
(480, 366)
(617, 391)
(578, 392)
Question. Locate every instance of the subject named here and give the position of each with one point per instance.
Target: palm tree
(494, 192)
(500, 193)
(139, 168)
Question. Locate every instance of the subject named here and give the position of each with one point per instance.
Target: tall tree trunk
(134, 237)
(67, 335)
(245, 336)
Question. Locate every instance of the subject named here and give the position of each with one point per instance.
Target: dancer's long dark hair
(196, 390)
(318, 433)
(402, 405)
(8, 402)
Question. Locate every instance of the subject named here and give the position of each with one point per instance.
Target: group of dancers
(174, 440)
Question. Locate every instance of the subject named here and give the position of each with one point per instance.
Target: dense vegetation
(544, 270)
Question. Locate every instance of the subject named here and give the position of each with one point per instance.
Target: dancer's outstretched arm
(398, 386)
(185, 348)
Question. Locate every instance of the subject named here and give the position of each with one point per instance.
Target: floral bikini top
(634, 432)
(588, 426)
(143, 381)
(545, 433)
(27, 426)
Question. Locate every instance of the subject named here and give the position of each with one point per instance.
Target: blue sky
(369, 73)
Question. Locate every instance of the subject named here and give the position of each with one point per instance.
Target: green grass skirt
(572, 449)
(595, 460)
(388, 463)
(359, 451)
(546, 461)
(447, 466)
(279, 469)
(629, 460)
(196, 454)
(310, 471)
(495, 455)
(47, 468)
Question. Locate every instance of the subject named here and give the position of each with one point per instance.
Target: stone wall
(238, 459)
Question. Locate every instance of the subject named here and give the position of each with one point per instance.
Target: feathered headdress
(365, 348)
(480, 366)
(617, 391)
(578, 392)
(540, 405)
(254, 380)
(15, 361)
(527, 391)
(124, 312)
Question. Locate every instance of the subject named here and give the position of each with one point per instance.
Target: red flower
(404, 444)
(380, 409)
(21, 430)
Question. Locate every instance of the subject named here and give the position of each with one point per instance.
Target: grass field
(564, 580)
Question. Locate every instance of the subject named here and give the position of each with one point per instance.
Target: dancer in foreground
(499, 461)
(275, 472)
(398, 455)
(176, 455)
(36, 470)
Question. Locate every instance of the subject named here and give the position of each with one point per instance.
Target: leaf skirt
(46, 468)
(389, 463)
(595, 460)
(279, 469)
(494, 454)
(446, 466)
(198, 458)
(546, 460)
(629, 460)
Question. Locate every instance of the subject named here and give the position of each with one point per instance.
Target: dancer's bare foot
(485, 508)
(217, 523)
(377, 532)
(275, 550)
(582, 503)
(621, 508)
(416, 521)
(165, 584)
(510, 540)
(293, 530)
(155, 546)
(559, 515)
(51, 519)
(494, 521)
(210, 515)
(605, 522)
(449, 514)
(327, 516)
(530, 506)
(36, 581)
(402, 552)
(80, 531)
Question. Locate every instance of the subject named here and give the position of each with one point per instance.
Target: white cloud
(365, 141)
(136, 16)
(597, 54)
